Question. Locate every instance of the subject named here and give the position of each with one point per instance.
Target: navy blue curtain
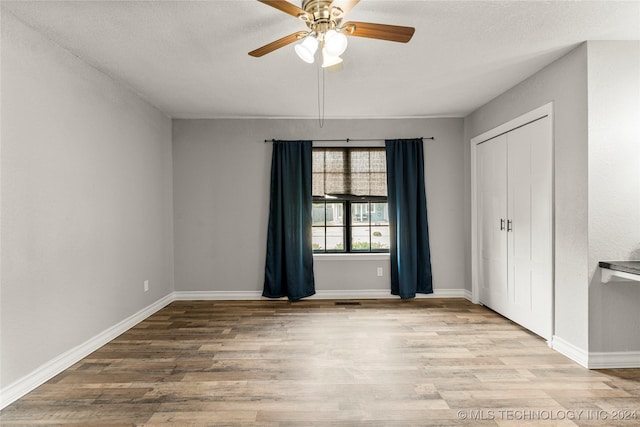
(289, 264)
(409, 251)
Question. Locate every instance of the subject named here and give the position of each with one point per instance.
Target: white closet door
(529, 226)
(492, 212)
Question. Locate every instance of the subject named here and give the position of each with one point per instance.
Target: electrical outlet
(146, 285)
(379, 271)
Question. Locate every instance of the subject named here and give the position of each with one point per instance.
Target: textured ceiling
(189, 58)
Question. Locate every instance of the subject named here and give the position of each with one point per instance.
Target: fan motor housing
(323, 14)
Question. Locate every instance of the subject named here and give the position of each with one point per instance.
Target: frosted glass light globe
(329, 60)
(307, 48)
(335, 43)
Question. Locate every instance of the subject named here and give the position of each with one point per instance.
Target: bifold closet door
(514, 182)
(492, 211)
(529, 226)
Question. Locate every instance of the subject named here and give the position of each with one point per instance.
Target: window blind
(346, 171)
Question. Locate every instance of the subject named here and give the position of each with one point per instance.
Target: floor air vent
(347, 303)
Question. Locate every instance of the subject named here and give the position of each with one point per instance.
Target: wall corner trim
(571, 351)
(44, 373)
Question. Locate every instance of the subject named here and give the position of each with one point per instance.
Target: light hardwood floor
(382, 363)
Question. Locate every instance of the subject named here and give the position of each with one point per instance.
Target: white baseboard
(596, 360)
(573, 352)
(216, 295)
(614, 359)
(320, 294)
(44, 373)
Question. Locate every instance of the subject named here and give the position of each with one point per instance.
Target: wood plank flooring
(421, 362)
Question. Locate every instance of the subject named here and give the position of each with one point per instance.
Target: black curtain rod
(348, 140)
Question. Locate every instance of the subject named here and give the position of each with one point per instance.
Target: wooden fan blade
(268, 48)
(394, 33)
(286, 7)
(344, 5)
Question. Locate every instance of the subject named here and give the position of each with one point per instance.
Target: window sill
(352, 257)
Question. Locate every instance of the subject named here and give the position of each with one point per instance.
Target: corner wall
(614, 194)
(595, 90)
(564, 82)
(86, 202)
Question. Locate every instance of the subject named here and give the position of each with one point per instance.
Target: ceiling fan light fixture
(329, 60)
(307, 48)
(335, 43)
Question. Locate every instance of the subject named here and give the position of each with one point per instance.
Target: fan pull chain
(321, 96)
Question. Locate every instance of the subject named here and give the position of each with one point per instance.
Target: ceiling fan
(326, 30)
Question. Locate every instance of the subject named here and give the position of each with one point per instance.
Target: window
(350, 212)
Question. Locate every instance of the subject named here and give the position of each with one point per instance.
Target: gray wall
(614, 191)
(564, 82)
(221, 189)
(595, 90)
(86, 202)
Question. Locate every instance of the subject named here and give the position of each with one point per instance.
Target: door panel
(519, 214)
(541, 317)
(492, 209)
(530, 210)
